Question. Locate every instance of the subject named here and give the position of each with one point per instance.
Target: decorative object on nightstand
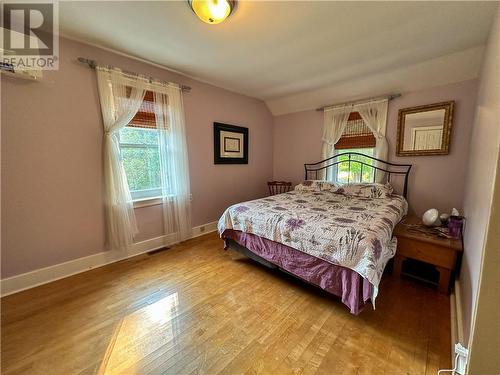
(279, 187)
(444, 218)
(433, 245)
(455, 226)
(431, 218)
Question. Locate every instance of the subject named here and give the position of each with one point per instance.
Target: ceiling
(296, 55)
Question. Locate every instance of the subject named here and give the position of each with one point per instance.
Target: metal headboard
(381, 166)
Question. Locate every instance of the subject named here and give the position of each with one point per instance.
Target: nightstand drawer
(427, 252)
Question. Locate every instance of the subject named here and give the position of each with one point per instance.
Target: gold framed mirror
(425, 130)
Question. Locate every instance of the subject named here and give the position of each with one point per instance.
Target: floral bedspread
(353, 232)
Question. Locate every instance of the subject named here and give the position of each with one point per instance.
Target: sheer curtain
(335, 121)
(374, 114)
(117, 111)
(174, 167)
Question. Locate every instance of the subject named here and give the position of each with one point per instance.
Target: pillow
(316, 185)
(366, 190)
(309, 185)
(329, 186)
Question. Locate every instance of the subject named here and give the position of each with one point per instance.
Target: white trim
(456, 316)
(204, 229)
(453, 325)
(155, 201)
(458, 308)
(147, 202)
(46, 275)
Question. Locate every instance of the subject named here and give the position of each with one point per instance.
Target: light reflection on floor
(140, 333)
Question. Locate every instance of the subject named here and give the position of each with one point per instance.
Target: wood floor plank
(197, 309)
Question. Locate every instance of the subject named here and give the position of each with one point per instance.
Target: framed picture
(230, 144)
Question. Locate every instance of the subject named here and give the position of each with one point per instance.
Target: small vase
(455, 225)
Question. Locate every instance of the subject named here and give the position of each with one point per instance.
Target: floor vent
(153, 252)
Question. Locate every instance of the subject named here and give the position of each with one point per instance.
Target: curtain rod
(331, 106)
(93, 64)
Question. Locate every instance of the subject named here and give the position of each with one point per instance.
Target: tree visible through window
(358, 172)
(140, 153)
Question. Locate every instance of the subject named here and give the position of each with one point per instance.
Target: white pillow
(366, 190)
(316, 185)
(329, 186)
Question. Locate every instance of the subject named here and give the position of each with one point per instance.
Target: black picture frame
(218, 158)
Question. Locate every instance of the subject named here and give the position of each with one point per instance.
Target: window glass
(141, 161)
(358, 172)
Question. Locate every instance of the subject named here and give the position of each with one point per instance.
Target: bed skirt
(353, 290)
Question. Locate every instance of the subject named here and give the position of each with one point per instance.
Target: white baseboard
(459, 313)
(457, 328)
(204, 229)
(46, 275)
(453, 325)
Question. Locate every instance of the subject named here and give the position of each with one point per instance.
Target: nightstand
(415, 241)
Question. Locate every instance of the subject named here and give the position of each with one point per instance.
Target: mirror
(425, 130)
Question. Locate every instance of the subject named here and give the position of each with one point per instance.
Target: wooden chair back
(279, 187)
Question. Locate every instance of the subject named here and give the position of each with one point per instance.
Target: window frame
(361, 151)
(145, 196)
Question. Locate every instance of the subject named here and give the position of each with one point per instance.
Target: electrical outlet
(463, 354)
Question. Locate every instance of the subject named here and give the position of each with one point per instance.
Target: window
(357, 137)
(140, 153)
(358, 172)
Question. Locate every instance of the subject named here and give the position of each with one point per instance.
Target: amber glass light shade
(212, 11)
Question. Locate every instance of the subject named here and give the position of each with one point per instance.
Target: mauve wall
(479, 187)
(52, 169)
(435, 181)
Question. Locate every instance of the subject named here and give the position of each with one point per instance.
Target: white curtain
(335, 121)
(174, 165)
(374, 114)
(117, 111)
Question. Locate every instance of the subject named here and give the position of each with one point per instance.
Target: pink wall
(51, 160)
(435, 181)
(479, 188)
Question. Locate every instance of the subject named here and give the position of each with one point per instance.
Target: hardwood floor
(196, 309)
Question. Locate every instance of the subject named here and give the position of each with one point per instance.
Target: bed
(338, 238)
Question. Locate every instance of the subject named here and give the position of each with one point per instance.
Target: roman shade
(356, 134)
(145, 116)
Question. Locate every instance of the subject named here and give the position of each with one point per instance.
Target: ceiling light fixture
(212, 11)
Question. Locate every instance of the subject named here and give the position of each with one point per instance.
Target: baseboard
(457, 328)
(459, 312)
(204, 229)
(46, 275)
(453, 325)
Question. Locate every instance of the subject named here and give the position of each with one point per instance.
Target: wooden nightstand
(415, 242)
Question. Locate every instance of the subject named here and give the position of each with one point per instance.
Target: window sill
(153, 201)
(147, 202)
